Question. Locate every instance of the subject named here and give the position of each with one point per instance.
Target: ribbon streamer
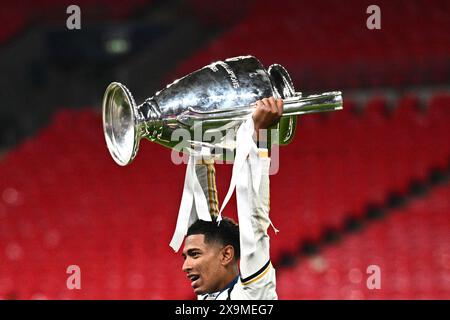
(192, 196)
(245, 148)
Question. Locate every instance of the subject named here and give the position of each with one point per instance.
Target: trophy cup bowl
(216, 98)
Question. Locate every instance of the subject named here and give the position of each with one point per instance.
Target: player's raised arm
(254, 267)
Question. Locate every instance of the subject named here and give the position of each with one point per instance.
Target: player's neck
(229, 278)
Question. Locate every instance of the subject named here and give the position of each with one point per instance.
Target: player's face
(202, 264)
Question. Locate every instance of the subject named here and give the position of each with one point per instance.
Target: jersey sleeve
(257, 272)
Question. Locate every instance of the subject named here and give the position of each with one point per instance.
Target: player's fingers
(262, 106)
(279, 104)
(273, 106)
(258, 109)
(265, 102)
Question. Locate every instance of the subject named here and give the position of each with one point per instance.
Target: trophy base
(119, 123)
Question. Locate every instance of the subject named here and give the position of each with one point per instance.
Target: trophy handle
(328, 101)
(293, 106)
(284, 88)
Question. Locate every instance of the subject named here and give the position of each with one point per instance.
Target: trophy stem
(293, 106)
(328, 101)
(148, 119)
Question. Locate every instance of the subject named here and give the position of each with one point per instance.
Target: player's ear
(227, 254)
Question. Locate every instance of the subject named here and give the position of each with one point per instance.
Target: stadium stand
(65, 202)
(368, 185)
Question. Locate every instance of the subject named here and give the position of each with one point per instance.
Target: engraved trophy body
(214, 99)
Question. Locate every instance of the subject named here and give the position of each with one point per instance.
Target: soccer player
(213, 261)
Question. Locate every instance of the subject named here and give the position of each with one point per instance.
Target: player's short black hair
(226, 232)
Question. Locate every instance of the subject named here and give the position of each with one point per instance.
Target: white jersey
(257, 275)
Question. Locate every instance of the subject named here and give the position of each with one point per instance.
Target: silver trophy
(216, 98)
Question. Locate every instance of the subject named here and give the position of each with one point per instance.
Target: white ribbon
(245, 147)
(246, 159)
(192, 195)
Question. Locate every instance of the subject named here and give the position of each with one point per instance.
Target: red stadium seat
(410, 247)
